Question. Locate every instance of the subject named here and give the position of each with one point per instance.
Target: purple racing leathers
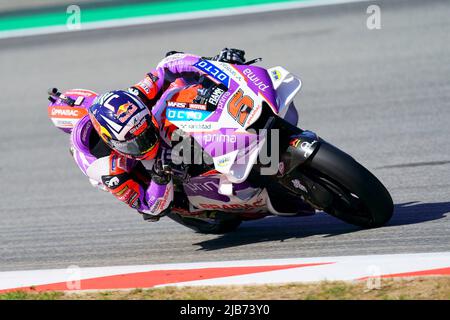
(154, 84)
(109, 170)
(113, 172)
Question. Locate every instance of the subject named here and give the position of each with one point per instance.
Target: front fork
(297, 148)
(302, 146)
(298, 177)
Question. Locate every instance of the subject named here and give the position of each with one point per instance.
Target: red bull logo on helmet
(125, 111)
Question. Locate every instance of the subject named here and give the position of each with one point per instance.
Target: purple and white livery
(254, 160)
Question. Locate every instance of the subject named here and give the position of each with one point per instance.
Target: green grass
(436, 288)
(22, 295)
(126, 11)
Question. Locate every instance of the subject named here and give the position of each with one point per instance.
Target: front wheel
(354, 195)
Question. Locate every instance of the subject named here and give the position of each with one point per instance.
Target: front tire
(358, 197)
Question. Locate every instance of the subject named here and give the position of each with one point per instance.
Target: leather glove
(235, 56)
(162, 172)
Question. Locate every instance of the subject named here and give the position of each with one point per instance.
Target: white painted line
(15, 279)
(126, 22)
(346, 268)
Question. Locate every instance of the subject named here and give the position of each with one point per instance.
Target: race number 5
(240, 106)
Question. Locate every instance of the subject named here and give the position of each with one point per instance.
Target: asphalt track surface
(382, 95)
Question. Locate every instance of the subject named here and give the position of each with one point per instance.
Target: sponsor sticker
(80, 92)
(215, 96)
(152, 77)
(195, 106)
(177, 114)
(276, 75)
(125, 111)
(213, 71)
(66, 112)
(223, 99)
(69, 124)
(295, 142)
(79, 101)
(194, 126)
(231, 71)
(219, 138)
(133, 91)
(146, 85)
(234, 206)
(113, 182)
(255, 80)
(223, 162)
(139, 127)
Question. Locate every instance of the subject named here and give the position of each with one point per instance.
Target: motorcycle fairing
(286, 85)
(203, 194)
(66, 116)
(223, 134)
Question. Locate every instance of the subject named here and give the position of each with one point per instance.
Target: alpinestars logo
(113, 182)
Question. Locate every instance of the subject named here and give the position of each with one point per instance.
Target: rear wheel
(356, 196)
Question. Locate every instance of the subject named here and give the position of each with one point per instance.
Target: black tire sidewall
(342, 168)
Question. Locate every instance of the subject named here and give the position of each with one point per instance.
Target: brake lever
(253, 61)
(54, 94)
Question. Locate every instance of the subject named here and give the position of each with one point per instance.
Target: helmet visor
(139, 145)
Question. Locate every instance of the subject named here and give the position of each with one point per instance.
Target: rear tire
(359, 198)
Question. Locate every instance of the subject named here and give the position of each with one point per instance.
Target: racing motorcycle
(235, 114)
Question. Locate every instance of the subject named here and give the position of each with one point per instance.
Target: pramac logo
(66, 112)
(59, 112)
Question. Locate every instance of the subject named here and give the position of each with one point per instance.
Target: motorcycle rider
(121, 135)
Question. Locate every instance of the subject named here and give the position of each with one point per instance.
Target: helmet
(125, 124)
